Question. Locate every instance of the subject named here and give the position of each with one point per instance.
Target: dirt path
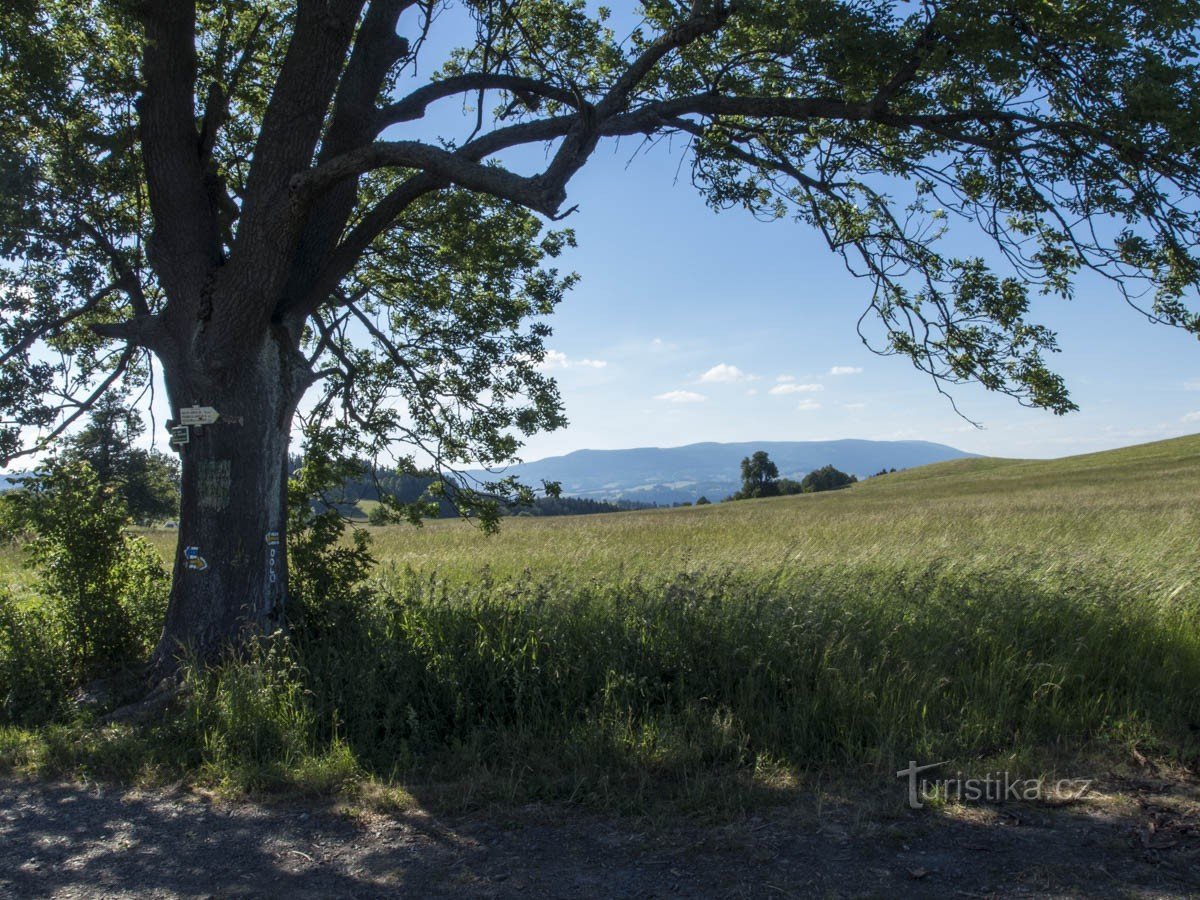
(65, 840)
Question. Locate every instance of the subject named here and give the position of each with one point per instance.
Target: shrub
(103, 592)
(826, 478)
(320, 565)
(35, 669)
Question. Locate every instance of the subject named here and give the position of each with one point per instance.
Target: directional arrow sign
(198, 415)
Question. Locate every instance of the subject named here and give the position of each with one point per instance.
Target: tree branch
(81, 406)
(184, 245)
(443, 164)
(377, 48)
(415, 104)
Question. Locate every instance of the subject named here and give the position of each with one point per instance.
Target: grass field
(1129, 515)
(978, 610)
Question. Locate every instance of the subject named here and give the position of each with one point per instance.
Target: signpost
(198, 415)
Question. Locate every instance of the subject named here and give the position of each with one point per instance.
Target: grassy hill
(1029, 615)
(1132, 514)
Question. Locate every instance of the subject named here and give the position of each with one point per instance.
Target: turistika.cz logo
(994, 787)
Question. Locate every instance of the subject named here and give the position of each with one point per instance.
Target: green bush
(35, 664)
(321, 567)
(101, 600)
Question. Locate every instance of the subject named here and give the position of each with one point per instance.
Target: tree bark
(230, 574)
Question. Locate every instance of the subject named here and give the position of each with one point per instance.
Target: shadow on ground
(66, 840)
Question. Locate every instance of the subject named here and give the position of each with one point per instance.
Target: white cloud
(808, 404)
(789, 388)
(681, 397)
(556, 359)
(846, 370)
(1191, 417)
(1192, 385)
(855, 405)
(722, 372)
(783, 379)
(750, 392)
(553, 360)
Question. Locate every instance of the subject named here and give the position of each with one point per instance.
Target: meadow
(1039, 614)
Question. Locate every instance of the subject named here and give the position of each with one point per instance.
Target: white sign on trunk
(198, 415)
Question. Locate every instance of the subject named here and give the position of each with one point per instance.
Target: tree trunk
(230, 576)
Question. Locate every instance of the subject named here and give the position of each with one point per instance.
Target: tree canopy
(150, 148)
(760, 476)
(826, 478)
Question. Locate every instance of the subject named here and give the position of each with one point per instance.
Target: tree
(703, 501)
(826, 478)
(248, 196)
(788, 486)
(759, 476)
(147, 479)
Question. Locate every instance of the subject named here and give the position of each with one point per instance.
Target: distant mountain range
(668, 475)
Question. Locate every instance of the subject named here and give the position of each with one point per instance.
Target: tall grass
(581, 685)
(970, 611)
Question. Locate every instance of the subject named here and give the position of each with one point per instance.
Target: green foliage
(703, 501)
(147, 479)
(716, 674)
(454, 305)
(826, 478)
(788, 486)
(104, 591)
(35, 663)
(250, 724)
(320, 564)
(72, 192)
(12, 522)
(759, 477)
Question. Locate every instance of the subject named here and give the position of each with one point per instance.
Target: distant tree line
(424, 486)
(760, 478)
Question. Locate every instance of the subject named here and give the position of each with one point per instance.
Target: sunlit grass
(1131, 515)
(977, 610)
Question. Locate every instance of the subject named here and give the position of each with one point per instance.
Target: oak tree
(263, 200)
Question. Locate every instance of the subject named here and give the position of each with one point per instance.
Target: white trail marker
(198, 415)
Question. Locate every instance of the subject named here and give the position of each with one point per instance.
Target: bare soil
(1135, 839)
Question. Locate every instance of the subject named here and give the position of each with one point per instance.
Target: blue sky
(699, 316)
(690, 325)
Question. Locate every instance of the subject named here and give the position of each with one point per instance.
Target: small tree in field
(146, 479)
(252, 198)
(760, 476)
(826, 478)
